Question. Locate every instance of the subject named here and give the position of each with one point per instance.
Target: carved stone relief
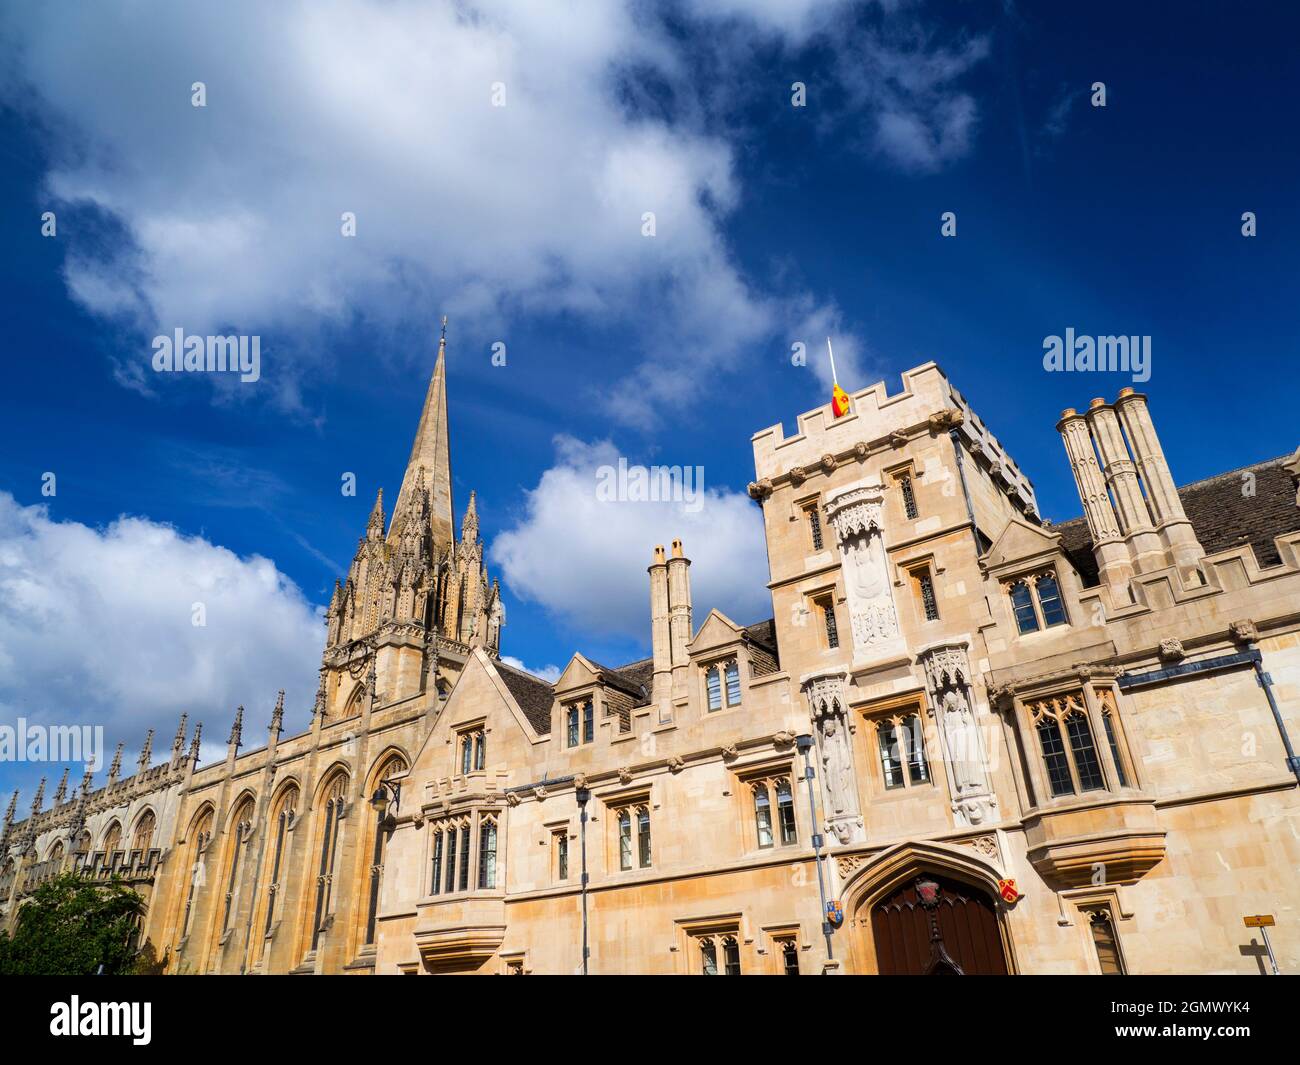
(856, 515)
(946, 671)
(829, 709)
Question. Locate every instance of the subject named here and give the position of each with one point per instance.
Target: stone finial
(237, 730)
(116, 767)
(179, 742)
(194, 744)
(277, 715)
(318, 708)
(1244, 631)
(146, 752)
(9, 813)
(40, 797)
(87, 784)
(62, 789)
(375, 526)
(469, 524)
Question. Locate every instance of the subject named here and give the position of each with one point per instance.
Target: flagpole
(831, 353)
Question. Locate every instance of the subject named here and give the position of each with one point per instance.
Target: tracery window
(925, 593)
(633, 826)
(144, 830)
(719, 953)
(827, 607)
(487, 853)
(332, 809)
(1036, 602)
(722, 684)
(200, 837)
(473, 745)
(394, 767)
(580, 723)
(112, 841)
(789, 956)
(900, 742)
(782, 827)
(909, 496)
(815, 526)
(1105, 942)
(282, 819)
(1066, 742)
(241, 828)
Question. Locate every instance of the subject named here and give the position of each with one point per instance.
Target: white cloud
(231, 212)
(584, 559)
(96, 628)
(551, 673)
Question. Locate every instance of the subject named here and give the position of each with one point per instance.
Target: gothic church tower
(416, 600)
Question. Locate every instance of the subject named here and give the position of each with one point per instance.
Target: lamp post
(583, 795)
(804, 744)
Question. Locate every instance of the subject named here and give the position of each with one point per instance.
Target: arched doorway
(930, 924)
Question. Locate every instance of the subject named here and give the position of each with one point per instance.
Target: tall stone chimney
(1176, 532)
(679, 617)
(1145, 546)
(660, 637)
(1113, 561)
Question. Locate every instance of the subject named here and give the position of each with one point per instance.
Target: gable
(718, 630)
(1020, 542)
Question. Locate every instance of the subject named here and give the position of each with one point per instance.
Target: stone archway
(927, 909)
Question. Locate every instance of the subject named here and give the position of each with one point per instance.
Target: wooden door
(957, 935)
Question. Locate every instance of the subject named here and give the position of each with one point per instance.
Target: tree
(70, 926)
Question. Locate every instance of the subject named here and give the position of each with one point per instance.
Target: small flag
(839, 402)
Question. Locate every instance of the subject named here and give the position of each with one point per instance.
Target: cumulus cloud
(227, 217)
(551, 673)
(583, 556)
(96, 627)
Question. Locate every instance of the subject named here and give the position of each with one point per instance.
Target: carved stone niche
(965, 761)
(826, 692)
(856, 513)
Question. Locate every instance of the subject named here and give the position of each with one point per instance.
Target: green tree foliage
(72, 925)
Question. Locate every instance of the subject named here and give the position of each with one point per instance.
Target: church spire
(431, 452)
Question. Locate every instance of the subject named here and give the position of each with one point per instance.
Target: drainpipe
(965, 490)
(1265, 680)
(804, 744)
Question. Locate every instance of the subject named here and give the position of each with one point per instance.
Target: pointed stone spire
(62, 789)
(431, 452)
(40, 797)
(318, 710)
(277, 715)
(237, 731)
(87, 784)
(9, 813)
(116, 767)
(375, 526)
(146, 752)
(469, 524)
(194, 745)
(178, 744)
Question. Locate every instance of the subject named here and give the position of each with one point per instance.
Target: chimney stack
(660, 638)
(1113, 562)
(1145, 548)
(679, 617)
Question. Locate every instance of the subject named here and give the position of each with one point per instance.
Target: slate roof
(533, 695)
(1221, 514)
(642, 671)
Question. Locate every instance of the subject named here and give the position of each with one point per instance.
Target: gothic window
(241, 827)
(827, 608)
(925, 593)
(487, 853)
(731, 955)
(464, 857)
(588, 722)
(1066, 741)
(789, 956)
(722, 684)
(776, 825)
(112, 841)
(560, 848)
(625, 839)
(480, 746)
(144, 829)
(472, 751)
(632, 824)
(572, 725)
(1110, 724)
(709, 957)
(719, 952)
(200, 836)
(451, 858)
(283, 821)
(643, 836)
(437, 862)
(909, 496)
(331, 811)
(815, 526)
(394, 767)
(900, 740)
(580, 723)
(1105, 942)
(1037, 604)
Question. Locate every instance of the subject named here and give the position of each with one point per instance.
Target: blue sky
(774, 224)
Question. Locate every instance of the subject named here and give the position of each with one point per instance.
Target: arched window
(763, 813)
(453, 833)
(112, 841)
(487, 853)
(713, 683)
(144, 829)
(1076, 767)
(331, 811)
(200, 835)
(286, 808)
(731, 955)
(625, 838)
(394, 767)
(437, 845)
(1105, 942)
(240, 829)
(643, 835)
(709, 957)
(785, 812)
(789, 958)
(901, 743)
(56, 855)
(1022, 602)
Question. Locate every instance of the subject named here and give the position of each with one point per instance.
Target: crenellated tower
(416, 598)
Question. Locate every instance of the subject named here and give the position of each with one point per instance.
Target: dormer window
(472, 753)
(722, 684)
(1037, 604)
(579, 723)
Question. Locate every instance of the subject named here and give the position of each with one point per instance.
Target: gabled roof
(1222, 514)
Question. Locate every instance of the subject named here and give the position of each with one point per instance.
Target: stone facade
(1097, 711)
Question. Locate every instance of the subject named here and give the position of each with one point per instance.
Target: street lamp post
(804, 744)
(583, 795)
